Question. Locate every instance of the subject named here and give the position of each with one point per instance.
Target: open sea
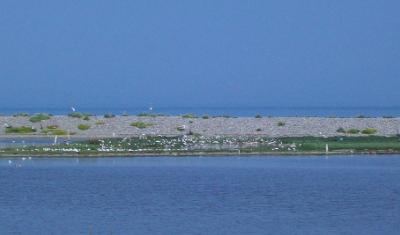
(201, 195)
(232, 111)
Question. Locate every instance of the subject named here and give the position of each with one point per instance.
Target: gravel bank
(290, 126)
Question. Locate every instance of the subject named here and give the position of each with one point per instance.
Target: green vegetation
(84, 116)
(109, 115)
(151, 115)
(83, 127)
(189, 115)
(54, 130)
(141, 125)
(20, 130)
(192, 143)
(206, 117)
(21, 115)
(353, 131)
(366, 143)
(281, 123)
(100, 122)
(40, 117)
(258, 116)
(75, 115)
(341, 130)
(369, 131)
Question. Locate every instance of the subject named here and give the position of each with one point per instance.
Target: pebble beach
(120, 126)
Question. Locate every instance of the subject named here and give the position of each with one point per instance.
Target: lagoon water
(201, 195)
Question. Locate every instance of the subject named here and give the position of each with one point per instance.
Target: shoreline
(204, 154)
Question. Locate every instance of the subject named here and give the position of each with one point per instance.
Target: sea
(220, 111)
(201, 195)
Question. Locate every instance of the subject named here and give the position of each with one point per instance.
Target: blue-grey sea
(215, 111)
(201, 195)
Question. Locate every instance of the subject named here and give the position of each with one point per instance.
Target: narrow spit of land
(150, 134)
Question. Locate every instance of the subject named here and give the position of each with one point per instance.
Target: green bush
(100, 122)
(53, 130)
(258, 116)
(109, 115)
(86, 118)
(369, 131)
(189, 115)
(281, 123)
(206, 117)
(83, 127)
(341, 130)
(353, 131)
(21, 115)
(40, 117)
(75, 115)
(141, 125)
(20, 130)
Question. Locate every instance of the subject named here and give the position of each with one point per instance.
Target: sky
(218, 53)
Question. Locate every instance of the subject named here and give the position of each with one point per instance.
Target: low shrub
(83, 127)
(206, 117)
(353, 131)
(21, 115)
(258, 116)
(20, 130)
(281, 123)
(141, 125)
(369, 131)
(189, 115)
(109, 115)
(341, 130)
(40, 117)
(100, 122)
(75, 115)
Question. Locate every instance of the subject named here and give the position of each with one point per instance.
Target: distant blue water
(224, 195)
(232, 111)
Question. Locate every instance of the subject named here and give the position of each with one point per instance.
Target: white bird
(73, 109)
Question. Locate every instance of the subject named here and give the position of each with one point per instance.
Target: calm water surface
(202, 195)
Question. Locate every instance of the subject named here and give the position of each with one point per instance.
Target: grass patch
(53, 130)
(189, 115)
(100, 122)
(141, 125)
(353, 131)
(83, 127)
(20, 130)
(369, 131)
(40, 117)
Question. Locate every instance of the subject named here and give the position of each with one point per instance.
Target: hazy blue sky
(199, 53)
